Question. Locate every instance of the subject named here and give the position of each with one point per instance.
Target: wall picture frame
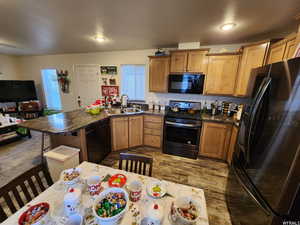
(108, 70)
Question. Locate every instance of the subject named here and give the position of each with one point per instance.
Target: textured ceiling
(69, 26)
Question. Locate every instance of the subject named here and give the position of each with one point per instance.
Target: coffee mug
(94, 185)
(135, 191)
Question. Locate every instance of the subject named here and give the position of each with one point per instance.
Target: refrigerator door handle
(254, 198)
(253, 114)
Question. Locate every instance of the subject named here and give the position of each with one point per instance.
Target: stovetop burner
(184, 110)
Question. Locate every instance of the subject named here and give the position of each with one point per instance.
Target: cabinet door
(136, 129)
(197, 62)
(276, 53)
(232, 144)
(290, 49)
(222, 74)
(158, 73)
(215, 138)
(178, 61)
(119, 129)
(253, 56)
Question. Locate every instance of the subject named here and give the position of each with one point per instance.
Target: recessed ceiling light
(228, 26)
(100, 38)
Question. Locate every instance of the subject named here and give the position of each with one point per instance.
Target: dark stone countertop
(73, 120)
(77, 119)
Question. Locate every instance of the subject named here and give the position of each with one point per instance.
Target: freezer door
(244, 205)
(274, 133)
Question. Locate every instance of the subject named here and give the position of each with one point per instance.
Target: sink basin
(127, 111)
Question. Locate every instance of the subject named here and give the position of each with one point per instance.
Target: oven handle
(182, 125)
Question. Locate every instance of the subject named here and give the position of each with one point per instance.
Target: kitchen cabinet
(290, 49)
(276, 52)
(192, 61)
(222, 74)
(119, 133)
(127, 132)
(233, 140)
(197, 61)
(178, 61)
(253, 56)
(135, 131)
(215, 139)
(159, 67)
(153, 131)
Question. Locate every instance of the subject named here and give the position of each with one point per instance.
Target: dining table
(54, 195)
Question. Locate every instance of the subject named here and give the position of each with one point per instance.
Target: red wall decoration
(109, 90)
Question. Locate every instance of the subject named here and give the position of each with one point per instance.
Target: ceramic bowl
(43, 220)
(114, 219)
(69, 171)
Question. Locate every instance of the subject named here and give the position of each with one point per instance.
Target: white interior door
(87, 83)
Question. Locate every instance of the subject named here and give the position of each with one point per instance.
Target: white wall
(9, 68)
(32, 65)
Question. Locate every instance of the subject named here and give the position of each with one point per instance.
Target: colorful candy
(111, 205)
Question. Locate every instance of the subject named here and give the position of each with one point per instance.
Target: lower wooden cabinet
(119, 133)
(233, 140)
(215, 139)
(136, 131)
(153, 126)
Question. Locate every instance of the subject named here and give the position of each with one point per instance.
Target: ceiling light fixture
(100, 39)
(228, 26)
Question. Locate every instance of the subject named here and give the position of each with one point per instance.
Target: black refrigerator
(263, 186)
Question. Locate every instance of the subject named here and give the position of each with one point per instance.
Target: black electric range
(182, 128)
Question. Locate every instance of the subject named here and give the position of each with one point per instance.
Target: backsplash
(164, 98)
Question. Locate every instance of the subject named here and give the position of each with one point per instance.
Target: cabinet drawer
(154, 119)
(153, 141)
(150, 125)
(152, 131)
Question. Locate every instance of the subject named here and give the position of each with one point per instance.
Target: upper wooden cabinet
(222, 73)
(179, 61)
(253, 56)
(197, 61)
(215, 139)
(119, 131)
(193, 61)
(136, 129)
(290, 49)
(159, 68)
(276, 52)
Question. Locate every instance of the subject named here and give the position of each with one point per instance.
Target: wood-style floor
(201, 173)
(209, 175)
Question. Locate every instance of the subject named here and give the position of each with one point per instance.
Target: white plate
(159, 184)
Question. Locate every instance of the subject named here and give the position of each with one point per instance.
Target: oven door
(186, 83)
(181, 139)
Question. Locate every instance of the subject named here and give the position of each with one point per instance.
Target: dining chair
(136, 164)
(23, 189)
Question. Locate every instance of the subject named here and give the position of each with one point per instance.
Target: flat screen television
(17, 90)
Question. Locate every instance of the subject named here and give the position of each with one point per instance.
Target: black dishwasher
(98, 140)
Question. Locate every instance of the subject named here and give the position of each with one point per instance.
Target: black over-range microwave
(186, 83)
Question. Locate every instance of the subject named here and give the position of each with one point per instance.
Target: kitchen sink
(126, 111)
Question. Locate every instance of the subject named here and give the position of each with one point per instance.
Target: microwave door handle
(253, 114)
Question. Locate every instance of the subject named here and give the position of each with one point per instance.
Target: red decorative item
(109, 90)
(117, 180)
(33, 214)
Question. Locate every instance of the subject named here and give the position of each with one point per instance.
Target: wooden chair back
(23, 189)
(136, 164)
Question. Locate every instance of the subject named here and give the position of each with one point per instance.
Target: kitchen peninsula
(81, 130)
